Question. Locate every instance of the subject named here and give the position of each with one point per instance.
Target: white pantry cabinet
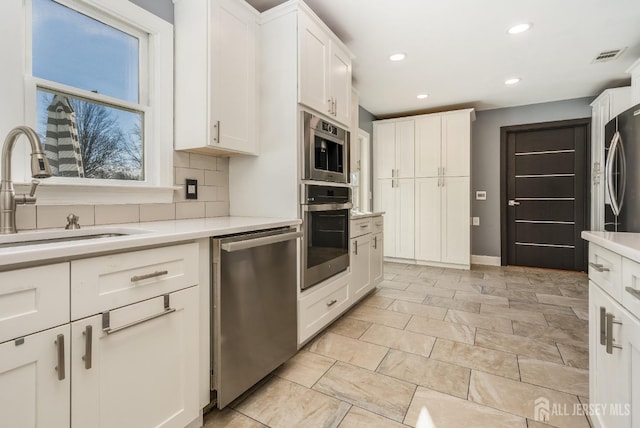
(604, 108)
(324, 70)
(395, 197)
(432, 224)
(216, 93)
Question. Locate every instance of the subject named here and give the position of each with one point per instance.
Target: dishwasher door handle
(258, 242)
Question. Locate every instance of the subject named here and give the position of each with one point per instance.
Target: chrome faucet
(39, 169)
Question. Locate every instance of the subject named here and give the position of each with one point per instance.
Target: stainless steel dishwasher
(254, 309)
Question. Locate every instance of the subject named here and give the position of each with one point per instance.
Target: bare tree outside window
(110, 139)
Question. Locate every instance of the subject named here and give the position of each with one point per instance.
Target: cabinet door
(144, 371)
(33, 393)
(360, 266)
(610, 374)
(631, 347)
(384, 149)
(456, 230)
(340, 85)
(405, 141)
(428, 139)
(313, 58)
(233, 75)
(428, 218)
(385, 201)
(377, 245)
(456, 145)
(405, 211)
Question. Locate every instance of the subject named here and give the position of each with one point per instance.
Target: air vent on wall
(610, 55)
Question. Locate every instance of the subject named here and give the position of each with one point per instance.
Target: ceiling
(459, 51)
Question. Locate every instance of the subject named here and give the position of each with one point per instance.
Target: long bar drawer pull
(149, 275)
(88, 337)
(599, 267)
(106, 318)
(60, 367)
(635, 293)
(332, 302)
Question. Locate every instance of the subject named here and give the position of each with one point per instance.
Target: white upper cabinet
(215, 76)
(428, 137)
(324, 70)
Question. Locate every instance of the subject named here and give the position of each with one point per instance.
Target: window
(97, 85)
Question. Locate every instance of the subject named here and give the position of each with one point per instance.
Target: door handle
(513, 203)
(635, 293)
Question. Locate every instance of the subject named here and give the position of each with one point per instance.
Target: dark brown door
(546, 198)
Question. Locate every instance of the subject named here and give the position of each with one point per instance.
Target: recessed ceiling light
(512, 81)
(519, 28)
(422, 96)
(397, 56)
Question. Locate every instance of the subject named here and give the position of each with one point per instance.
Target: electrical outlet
(475, 221)
(481, 195)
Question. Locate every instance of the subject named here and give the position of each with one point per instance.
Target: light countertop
(624, 243)
(142, 235)
(355, 215)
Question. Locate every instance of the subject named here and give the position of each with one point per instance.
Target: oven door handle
(327, 207)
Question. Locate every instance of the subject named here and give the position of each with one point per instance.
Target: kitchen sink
(57, 236)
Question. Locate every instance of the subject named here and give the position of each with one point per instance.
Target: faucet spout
(39, 169)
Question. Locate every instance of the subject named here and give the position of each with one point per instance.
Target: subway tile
(199, 161)
(157, 212)
(112, 214)
(185, 210)
(181, 175)
(216, 178)
(48, 216)
(26, 217)
(216, 209)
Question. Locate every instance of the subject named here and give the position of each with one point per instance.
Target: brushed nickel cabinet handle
(60, 351)
(355, 247)
(332, 302)
(603, 325)
(106, 317)
(330, 102)
(610, 322)
(635, 293)
(149, 275)
(375, 242)
(599, 267)
(88, 339)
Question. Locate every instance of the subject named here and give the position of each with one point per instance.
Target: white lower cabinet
(139, 371)
(614, 385)
(360, 266)
(34, 392)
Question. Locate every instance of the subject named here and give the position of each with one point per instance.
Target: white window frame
(155, 101)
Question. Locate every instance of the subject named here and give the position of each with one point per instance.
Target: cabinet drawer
(631, 286)
(359, 227)
(319, 309)
(377, 224)
(103, 283)
(33, 299)
(605, 269)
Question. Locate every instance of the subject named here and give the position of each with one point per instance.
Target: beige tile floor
(437, 348)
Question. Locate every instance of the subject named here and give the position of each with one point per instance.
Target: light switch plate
(475, 221)
(481, 195)
(192, 189)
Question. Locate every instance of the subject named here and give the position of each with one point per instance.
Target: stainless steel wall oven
(326, 150)
(325, 249)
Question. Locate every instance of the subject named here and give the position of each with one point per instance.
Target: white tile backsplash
(211, 172)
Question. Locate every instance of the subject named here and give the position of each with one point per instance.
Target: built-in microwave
(326, 150)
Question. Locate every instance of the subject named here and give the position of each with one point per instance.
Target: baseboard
(486, 260)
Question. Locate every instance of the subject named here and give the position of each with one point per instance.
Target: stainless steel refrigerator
(622, 172)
